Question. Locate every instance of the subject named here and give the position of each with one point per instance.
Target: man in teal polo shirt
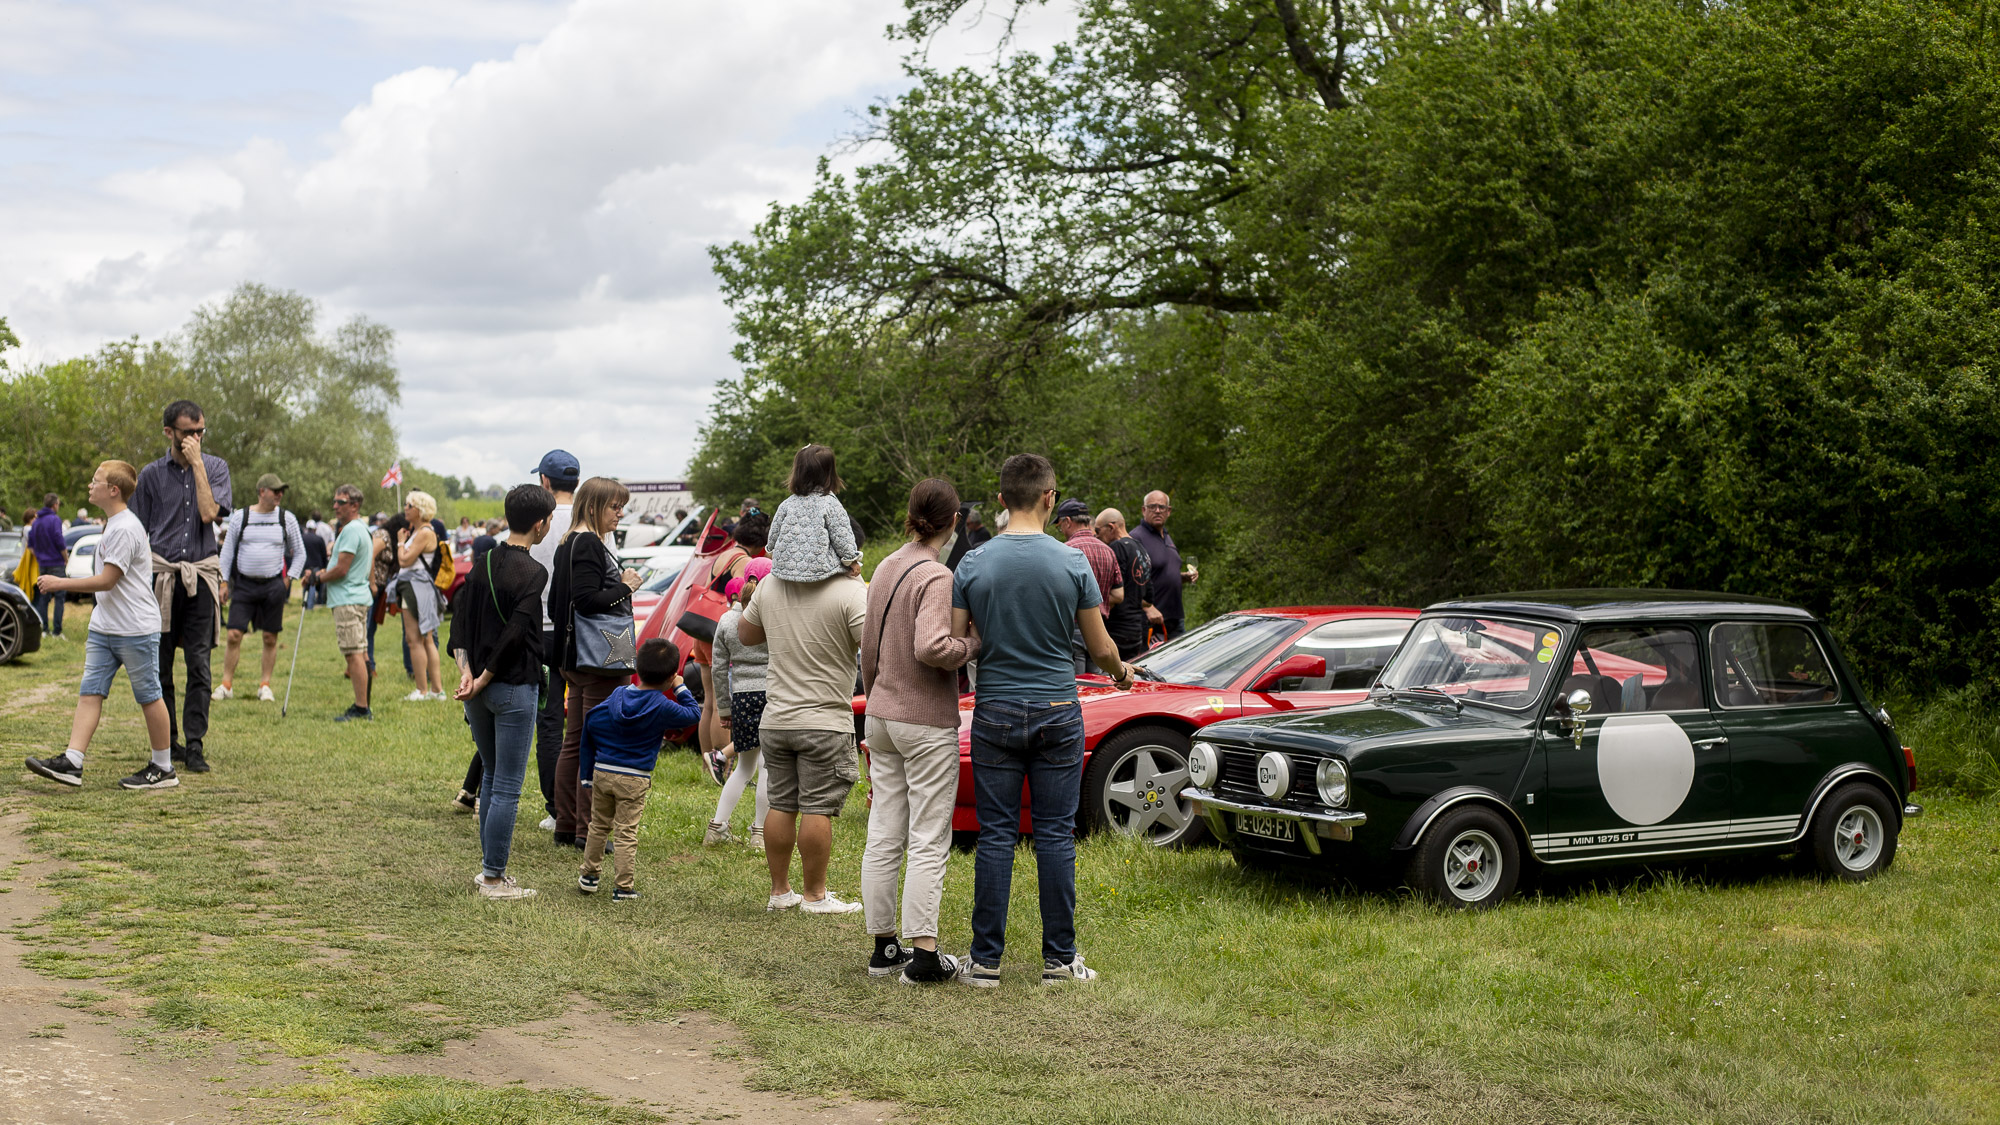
(348, 594)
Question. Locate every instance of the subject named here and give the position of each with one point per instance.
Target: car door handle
(1713, 743)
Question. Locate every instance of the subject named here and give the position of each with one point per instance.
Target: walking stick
(295, 664)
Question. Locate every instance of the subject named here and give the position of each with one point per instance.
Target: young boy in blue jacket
(621, 742)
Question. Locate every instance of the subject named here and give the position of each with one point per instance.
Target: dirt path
(70, 1066)
(65, 1065)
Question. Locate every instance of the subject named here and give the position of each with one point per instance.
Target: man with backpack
(263, 550)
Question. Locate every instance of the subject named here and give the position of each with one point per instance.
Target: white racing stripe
(1754, 828)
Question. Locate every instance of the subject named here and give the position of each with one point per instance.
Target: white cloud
(534, 227)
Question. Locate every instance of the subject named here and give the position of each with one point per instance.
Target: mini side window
(1769, 666)
(1637, 668)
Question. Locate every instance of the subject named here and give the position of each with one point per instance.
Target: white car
(649, 561)
(633, 535)
(82, 560)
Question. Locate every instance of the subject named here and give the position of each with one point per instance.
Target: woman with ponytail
(909, 666)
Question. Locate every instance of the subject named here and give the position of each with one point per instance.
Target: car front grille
(1239, 780)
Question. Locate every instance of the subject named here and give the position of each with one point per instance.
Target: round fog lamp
(1274, 775)
(1331, 777)
(1204, 765)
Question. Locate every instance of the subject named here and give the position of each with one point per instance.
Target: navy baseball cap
(559, 466)
(1073, 509)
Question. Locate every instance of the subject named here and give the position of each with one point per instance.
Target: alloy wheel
(10, 632)
(1142, 794)
(1472, 865)
(1858, 837)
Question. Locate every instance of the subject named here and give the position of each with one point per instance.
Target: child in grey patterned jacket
(811, 538)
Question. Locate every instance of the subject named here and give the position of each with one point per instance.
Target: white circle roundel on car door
(1645, 765)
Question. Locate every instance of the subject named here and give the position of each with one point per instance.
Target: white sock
(75, 757)
(164, 759)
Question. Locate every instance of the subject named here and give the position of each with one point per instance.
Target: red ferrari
(1244, 663)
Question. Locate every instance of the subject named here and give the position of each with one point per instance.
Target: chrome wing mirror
(1572, 708)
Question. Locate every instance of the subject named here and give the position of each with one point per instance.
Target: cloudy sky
(524, 190)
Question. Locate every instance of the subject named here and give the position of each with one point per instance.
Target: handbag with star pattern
(604, 641)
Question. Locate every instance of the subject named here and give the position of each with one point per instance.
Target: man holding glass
(1170, 572)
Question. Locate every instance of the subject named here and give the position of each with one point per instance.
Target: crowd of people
(782, 631)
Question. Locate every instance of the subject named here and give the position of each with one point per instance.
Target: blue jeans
(49, 607)
(502, 718)
(103, 655)
(1013, 742)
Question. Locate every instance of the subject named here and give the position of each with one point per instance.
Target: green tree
(65, 418)
(278, 396)
(282, 397)
(1407, 302)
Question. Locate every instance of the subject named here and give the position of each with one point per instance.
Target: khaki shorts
(350, 628)
(810, 770)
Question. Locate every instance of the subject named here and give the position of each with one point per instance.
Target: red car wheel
(1134, 786)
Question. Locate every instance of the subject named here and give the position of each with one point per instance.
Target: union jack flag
(394, 476)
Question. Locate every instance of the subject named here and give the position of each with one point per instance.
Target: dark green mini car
(1572, 728)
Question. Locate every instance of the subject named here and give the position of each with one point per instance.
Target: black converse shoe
(58, 768)
(621, 894)
(889, 959)
(587, 884)
(928, 966)
(152, 777)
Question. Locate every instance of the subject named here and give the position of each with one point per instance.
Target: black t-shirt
(1127, 623)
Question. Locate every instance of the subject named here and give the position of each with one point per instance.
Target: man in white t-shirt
(124, 630)
(559, 473)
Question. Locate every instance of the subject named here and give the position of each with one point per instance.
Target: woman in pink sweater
(909, 668)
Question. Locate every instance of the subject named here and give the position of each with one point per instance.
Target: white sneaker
(548, 824)
(437, 697)
(415, 697)
(265, 695)
(1055, 972)
(757, 838)
(503, 888)
(717, 834)
(221, 693)
(784, 901)
(831, 904)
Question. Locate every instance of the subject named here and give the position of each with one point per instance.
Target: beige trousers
(914, 775)
(617, 802)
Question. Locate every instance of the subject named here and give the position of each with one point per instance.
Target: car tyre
(1854, 833)
(1134, 785)
(13, 632)
(1469, 859)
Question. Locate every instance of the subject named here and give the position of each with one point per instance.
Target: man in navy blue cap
(559, 473)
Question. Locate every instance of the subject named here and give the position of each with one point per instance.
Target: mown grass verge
(312, 897)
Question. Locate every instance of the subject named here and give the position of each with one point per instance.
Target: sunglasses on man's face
(198, 431)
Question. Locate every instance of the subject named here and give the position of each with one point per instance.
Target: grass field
(311, 897)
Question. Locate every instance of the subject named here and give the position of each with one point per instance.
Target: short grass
(312, 897)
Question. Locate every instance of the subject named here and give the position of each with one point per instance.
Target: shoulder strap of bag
(490, 591)
(239, 523)
(883, 627)
(616, 571)
(712, 573)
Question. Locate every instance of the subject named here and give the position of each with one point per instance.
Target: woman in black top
(586, 579)
(496, 637)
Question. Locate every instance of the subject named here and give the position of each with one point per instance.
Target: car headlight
(1331, 777)
(1274, 775)
(1204, 765)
